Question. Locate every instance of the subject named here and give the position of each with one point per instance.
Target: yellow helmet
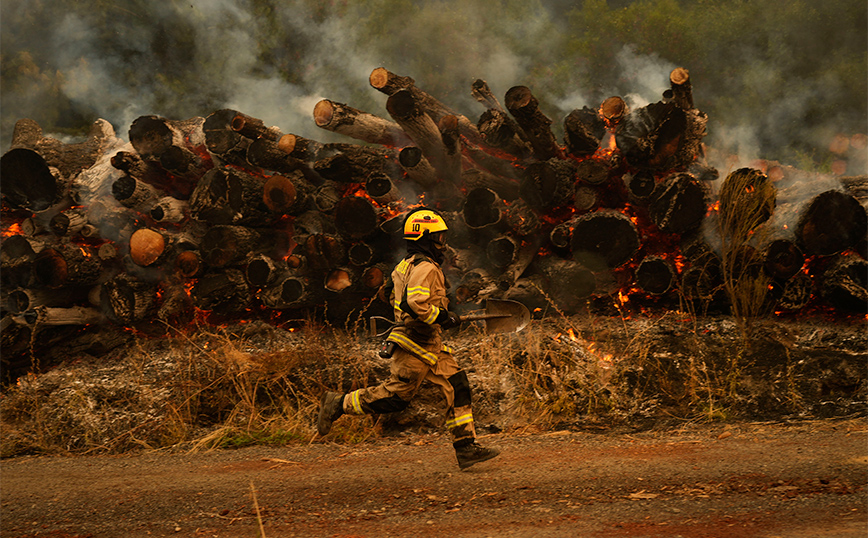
(422, 221)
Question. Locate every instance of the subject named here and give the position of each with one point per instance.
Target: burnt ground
(761, 479)
(636, 450)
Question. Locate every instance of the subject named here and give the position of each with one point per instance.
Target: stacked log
(226, 215)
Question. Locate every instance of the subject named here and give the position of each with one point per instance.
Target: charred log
(22, 300)
(263, 271)
(227, 245)
(640, 186)
(583, 131)
(323, 251)
(650, 137)
(136, 195)
(348, 121)
(548, 184)
(227, 195)
(507, 189)
(678, 204)
(389, 83)
(604, 240)
(291, 292)
(833, 222)
(28, 181)
(223, 142)
(792, 294)
(422, 129)
(681, 88)
(266, 154)
(171, 143)
(286, 195)
(223, 292)
(189, 264)
(483, 208)
(568, 283)
(499, 130)
(418, 169)
(382, 189)
(655, 275)
(782, 259)
(67, 265)
(356, 218)
(68, 159)
(352, 164)
(126, 299)
(845, 284)
(69, 222)
(169, 209)
(524, 107)
(298, 147)
(254, 128)
(592, 171)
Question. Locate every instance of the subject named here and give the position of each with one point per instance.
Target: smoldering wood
(548, 184)
(649, 136)
(254, 128)
(292, 291)
(148, 246)
(583, 131)
(832, 222)
(500, 131)
(481, 92)
(346, 120)
(844, 283)
(418, 169)
(95, 182)
(20, 300)
(225, 245)
(28, 181)
(313, 222)
(266, 154)
(502, 251)
(298, 147)
(529, 291)
(374, 276)
(352, 164)
(54, 316)
(223, 292)
(189, 264)
(389, 83)
(127, 299)
(175, 306)
(521, 218)
(262, 271)
(655, 275)
(682, 91)
(115, 223)
(151, 173)
(612, 110)
(356, 217)
(640, 186)
(524, 107)
(483, 208)
(585, 198)
(603, 240)
(592, 171)
(17, 248)
(422, 129)
(170, 142)
(224, 143)
(449, 134)
(326, 197)
(170, 209)
(68, 222)
(65, 264)
(134, 194)
(287, 194)
(507, 189)
(499, 165)
(521, 260)
(68, 159)
(323, 251)
(782, 259)
(678, 204)
(228, 195)
(382, 189)
(794, 293)
(568, 282)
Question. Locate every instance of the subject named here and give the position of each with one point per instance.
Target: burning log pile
(227, 216)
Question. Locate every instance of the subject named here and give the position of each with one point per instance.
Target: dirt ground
(759, 479)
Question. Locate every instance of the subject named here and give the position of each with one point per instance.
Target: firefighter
(418, 297)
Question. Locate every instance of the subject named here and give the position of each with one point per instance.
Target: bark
(67, 265)
(353, 164)
(845, 284)
(266, 154)
(782, 259)
(171, 210)
(254, 128)
(682, 92)
(356, 218)
(346, 120)
(583, 131)
(224, 143)
(69, 222)
(418, 169)
(548, 184)
(171, 143)
(481, 92)
(524, 107)
(224, 292)
(126, 299)
(507, 189)
(286, 195)
(500, 131)
(50, 316)
(298, 147)
(390, 83)
(833, 222)
(228, 245)
(68, 159)
(678, 204)
(422, 129)
(227, 195)
(136, 195)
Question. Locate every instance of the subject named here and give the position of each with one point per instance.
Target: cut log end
(323, 113)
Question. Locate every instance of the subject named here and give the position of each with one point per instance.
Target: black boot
(471, 453)
(330, 409)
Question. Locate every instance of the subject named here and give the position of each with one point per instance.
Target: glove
(450, 320)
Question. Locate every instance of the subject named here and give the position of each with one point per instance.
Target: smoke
(67, 63)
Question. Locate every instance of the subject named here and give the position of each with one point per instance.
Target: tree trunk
(678, 204)
(28, 181)
(833, 222)
(500, 131)
(66, 264)
(422, 129)
(524, 107)
(348, 121)
(548, 184)
(655, 275)
(583, 131)
(604, 240)
(126, 299)
(227, 195)
(136, 195)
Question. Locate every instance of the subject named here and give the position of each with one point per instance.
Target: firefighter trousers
(408, 372)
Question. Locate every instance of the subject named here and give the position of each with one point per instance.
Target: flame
(15, 229)
(622, 298)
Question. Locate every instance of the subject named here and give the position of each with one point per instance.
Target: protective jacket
(419, 302)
